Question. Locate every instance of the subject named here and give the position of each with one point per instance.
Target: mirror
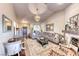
(73, 23)
(6, 24)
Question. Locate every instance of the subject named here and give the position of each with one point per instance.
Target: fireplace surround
(74, 41)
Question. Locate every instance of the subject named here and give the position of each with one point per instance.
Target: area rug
(51, 49)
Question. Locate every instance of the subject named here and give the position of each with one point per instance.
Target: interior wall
(72, 10)
(6, 9)
(43, 27)
(58, 20)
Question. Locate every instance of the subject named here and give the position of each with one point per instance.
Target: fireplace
(74, 41)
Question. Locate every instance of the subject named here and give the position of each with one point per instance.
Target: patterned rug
(51, 49)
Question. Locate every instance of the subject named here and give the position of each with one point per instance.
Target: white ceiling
(22, 11)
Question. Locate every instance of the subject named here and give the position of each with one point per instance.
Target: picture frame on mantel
(6, 23)
(50, 27)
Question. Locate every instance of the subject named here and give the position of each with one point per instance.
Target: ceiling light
(37, 9)
(24, 21)
(37, 18)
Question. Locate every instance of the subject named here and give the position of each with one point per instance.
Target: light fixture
(37, 18)
(8, 24)
(24, 21)
(37, 9)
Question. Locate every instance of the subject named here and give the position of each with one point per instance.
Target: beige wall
(71, 11)
(58, 20)
(6, 9)
(43, 27)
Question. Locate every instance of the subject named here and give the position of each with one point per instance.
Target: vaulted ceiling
(22, 11)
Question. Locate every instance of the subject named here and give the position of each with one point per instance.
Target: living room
(42, 29)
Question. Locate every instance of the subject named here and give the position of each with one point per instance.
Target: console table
(13, 48)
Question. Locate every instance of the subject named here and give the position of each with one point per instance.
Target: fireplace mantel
(68, 37)
(70, 34)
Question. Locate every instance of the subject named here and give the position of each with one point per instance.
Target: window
(37, 28)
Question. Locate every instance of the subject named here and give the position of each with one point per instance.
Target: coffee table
(42, 41)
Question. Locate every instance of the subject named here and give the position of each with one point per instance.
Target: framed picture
(6, 23)
(49, 27)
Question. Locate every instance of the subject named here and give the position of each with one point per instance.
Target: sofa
(52, 37)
